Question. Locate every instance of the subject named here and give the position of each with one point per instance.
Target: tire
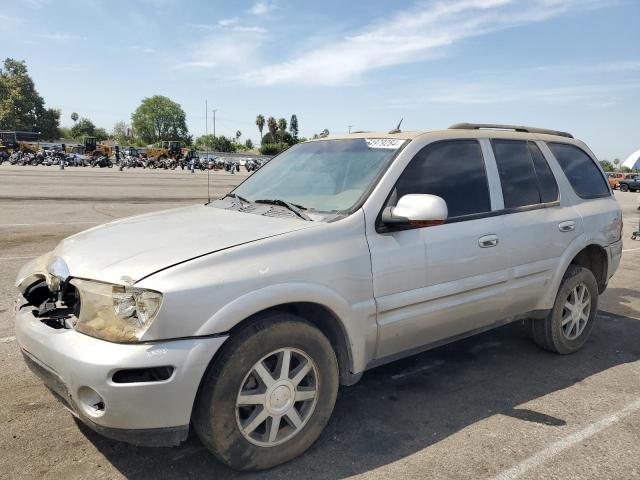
(549, 333)
(624, 187)
(216, 417)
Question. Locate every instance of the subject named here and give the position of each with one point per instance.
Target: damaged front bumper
(113, 388)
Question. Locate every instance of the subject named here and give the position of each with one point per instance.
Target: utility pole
(214, 122)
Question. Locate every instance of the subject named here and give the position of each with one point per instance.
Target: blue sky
(571, 65)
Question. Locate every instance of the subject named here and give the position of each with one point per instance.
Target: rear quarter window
(581, 171)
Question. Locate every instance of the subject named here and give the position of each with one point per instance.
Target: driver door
(437, 282)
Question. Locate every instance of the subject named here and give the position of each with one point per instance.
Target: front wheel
(568, 326)
(269, 394)
(624, 187)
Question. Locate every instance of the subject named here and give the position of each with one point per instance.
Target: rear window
(581, 171)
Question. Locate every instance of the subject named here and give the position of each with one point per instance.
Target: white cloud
(8, 23)
(230, 49)
(261, 7)
(227, 22)
(59, 36)
(140, 48)
(515, 91)
(413, 35)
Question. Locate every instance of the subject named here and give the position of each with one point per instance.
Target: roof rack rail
(517, 128)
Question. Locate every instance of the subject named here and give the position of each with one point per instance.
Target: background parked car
(630, 184)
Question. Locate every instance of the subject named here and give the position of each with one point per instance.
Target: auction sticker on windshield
(390, 143)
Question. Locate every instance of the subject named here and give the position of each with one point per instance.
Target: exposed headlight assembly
(115, 313)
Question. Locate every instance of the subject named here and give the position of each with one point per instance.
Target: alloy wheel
(575, 312)
(277, 397)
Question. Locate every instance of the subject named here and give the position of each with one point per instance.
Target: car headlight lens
(115, 312)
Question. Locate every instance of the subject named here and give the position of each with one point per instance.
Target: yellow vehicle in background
(91, 147)
(167, 149)
(26, 142)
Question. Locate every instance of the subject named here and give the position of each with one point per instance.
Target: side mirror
(416, 211)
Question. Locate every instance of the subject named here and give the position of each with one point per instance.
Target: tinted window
(546, 180)
(524, 174)
(581, 170)
(517, 174)
(453, 170)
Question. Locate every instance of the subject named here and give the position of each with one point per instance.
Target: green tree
(248, 143)
(65, 132)
(83, 128)
(606, 165)
(120, 133)
(282, 127)
(48, 124)
(238, 135)
(21, 107)
(260, 124)
(216, 144)
(205, 142)
(616, 162)
(293, 126)
(625, 169)
(74, 117)
(272, 126)
(159, 118)
(101, 134)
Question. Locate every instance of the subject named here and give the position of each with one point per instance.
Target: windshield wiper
(297, 209)
(234, 195)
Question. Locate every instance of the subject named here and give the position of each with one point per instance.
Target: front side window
(323, 176)
(581, 170)
(453, 170)
(524, 174)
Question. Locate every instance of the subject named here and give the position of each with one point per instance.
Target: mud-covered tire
(215, 411)
(548, 332)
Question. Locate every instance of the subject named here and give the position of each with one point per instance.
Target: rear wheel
(624, 187)
(569, 324)
(269, 394)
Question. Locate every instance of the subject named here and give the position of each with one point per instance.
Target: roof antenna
(397, 129)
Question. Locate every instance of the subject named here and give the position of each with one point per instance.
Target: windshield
(326, 175)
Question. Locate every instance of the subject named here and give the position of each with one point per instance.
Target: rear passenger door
(538, 226)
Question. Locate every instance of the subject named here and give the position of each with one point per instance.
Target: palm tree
(74, 117)
(293, 126)
(238, 135)
(260, 124)
(282, 127)
(272, 125)
(616, 162)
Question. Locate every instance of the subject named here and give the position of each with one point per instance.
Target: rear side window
(453, 170)
(524, 174)
(546, 180)
(581, 171)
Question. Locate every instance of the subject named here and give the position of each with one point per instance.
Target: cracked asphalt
(490, 406)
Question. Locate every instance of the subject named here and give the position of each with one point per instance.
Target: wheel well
(594, 258)
(327, 322)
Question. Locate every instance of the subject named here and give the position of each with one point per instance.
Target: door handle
(488, 241)
(567, 226)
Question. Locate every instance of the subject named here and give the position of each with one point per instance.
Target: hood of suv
(138, 246)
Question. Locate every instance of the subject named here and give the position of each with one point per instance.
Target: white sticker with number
(390, 143)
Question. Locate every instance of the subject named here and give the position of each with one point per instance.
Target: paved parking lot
(492, 406)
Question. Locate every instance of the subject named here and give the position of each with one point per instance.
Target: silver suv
(242, 317)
